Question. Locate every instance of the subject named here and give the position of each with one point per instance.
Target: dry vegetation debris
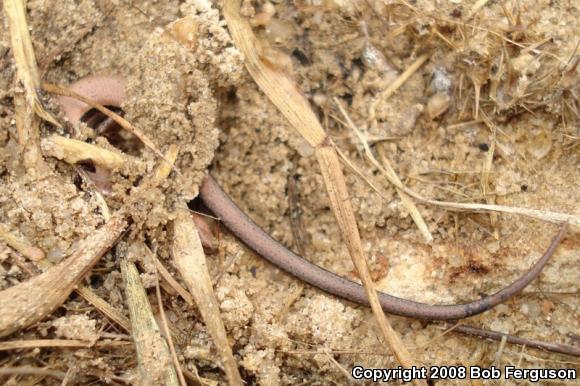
(427, 102)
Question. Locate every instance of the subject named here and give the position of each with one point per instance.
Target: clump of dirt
(45, 214)
(488, 114)
(170, 64)
(76, 327)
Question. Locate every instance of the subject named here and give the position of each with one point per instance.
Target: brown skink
(109, 90)
(254, 237)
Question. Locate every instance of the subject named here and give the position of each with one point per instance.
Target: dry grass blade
(407, 202)
(281, 90)
(401, 79)
(153, 357)
(365, 176)
(499, 354)
(283, 93)
(190, 261)
(340, 204)
(104, 307)
(340, 368)
(60, 343)
(166, 275)
(27, 106)
(167, 333)
(544, 215)
(95, 300)
(24, 56)
(30, 301)
(58, 90)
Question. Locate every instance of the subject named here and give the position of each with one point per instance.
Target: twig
(547, 359)
(495, 335)
(291, 298)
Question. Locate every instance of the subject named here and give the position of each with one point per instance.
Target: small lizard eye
(108, 128)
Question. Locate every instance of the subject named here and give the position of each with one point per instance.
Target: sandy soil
(434, 130)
